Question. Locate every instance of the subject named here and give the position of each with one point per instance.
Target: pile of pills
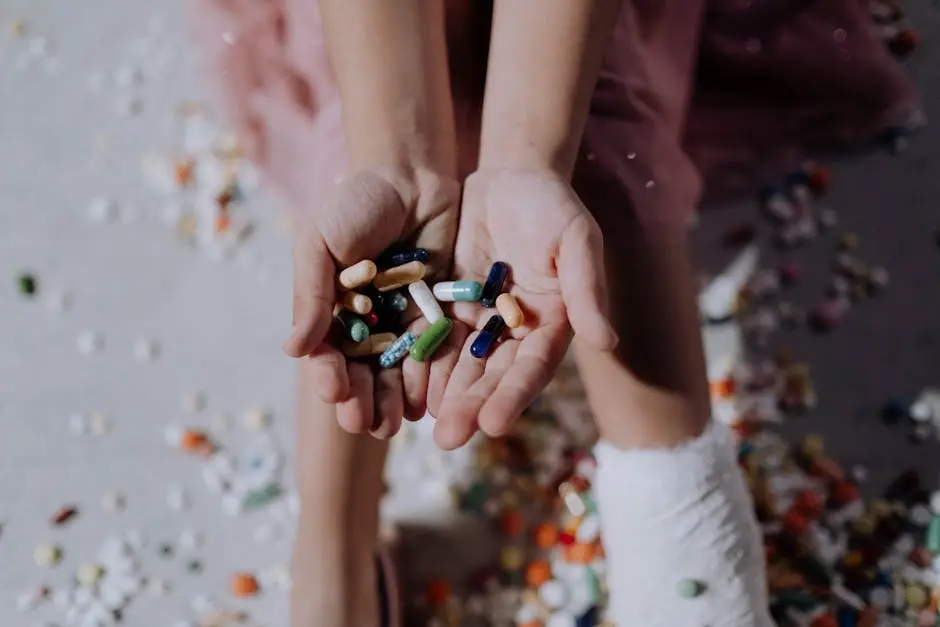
(372, 304)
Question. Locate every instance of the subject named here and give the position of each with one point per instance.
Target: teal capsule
(933, 535)
(431, 339)
(397, 351)
(398, 301)
(356, 328)
(450, 291)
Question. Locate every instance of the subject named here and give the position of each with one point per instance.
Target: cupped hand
(369, 212)
(534, 222)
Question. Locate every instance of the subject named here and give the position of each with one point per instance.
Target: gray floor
(888, 346)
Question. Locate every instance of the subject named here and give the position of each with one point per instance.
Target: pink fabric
(728, 90)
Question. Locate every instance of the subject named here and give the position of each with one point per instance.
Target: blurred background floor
(85, 91)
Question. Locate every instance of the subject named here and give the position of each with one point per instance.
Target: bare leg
(340, 483)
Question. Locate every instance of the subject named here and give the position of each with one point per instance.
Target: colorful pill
(510, 310)
(356, 329)
(357, 274)
(431, 339)
(400, 257)
(397, 350)
(486, 341)
(450, 291)
(373, 345)
(424, 299)
(494, 284)
(399, 276)
(357, 302)
(371, 318)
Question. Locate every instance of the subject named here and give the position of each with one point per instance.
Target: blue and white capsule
(397, 351)
(494, 284)
(484, 343)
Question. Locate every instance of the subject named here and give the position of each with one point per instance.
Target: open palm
(369, 212)
(534, 222)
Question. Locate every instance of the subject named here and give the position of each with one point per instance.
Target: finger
(389, 403)
(445, 360)
(356, 414)
(580, 266)
(497, 365)
(465, 394)
(328, 374)
(533, 366)
(314, 295)
(415, 378)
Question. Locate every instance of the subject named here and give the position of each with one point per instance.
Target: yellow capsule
(359, 303)
(372, 345)
(812, 446)
(916, 596)
(357, 274)
(399, 276)
(509, 309)
(852, 559)
(512, 558)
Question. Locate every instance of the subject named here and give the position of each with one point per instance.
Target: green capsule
(431, 339)
(260, 498)
(690, 588)
(933, 535)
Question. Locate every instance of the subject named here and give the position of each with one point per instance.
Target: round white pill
(553, 594)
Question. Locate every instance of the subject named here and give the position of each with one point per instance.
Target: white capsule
(190, 540)
(90, 342)
(424, 299)
(99, 423)
(112, 502)
(177, 499)
(256, 419)
(78, 424)
(146, 350)
(194, 402)
(589, 529)
(173, 435)
(103, 210)
(553, 594)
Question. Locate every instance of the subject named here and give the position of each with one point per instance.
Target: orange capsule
(723, 389)
(537, 573)
(183, 172)
(437, 592)
(244, 585)
(193, 441)
(826, 620)
(512, 523)
(580, 553)
(546, 535)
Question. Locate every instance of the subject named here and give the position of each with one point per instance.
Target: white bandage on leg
(673, 518)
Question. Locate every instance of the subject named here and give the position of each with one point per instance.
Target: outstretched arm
(390, 62)
(544, 62)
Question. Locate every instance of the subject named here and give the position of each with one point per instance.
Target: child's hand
(533, 221)
(370, 211)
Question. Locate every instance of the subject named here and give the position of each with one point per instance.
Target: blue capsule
(397, 351)
(400, 257)
(486, 341)
(494, 284)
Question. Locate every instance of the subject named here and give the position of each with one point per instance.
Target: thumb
(580, 265)
(314, 295)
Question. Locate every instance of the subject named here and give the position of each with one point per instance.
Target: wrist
(408, 133)
(522, 144)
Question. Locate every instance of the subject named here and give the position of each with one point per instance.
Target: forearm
(390, 63)
(543, 67)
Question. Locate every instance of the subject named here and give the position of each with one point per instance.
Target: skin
(647, 390)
